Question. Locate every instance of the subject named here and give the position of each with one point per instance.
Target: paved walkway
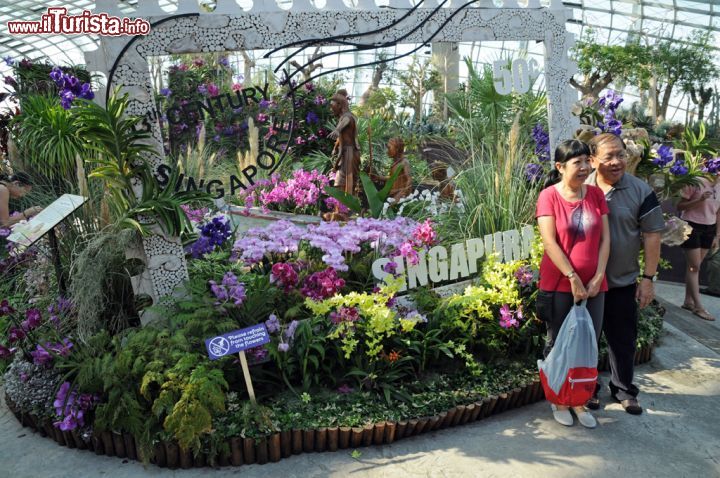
(677, 436)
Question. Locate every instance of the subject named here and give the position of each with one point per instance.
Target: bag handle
(581, 303)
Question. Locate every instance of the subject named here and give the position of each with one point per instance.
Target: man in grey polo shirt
(635, 219)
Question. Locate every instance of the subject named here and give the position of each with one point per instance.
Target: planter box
(247, 218)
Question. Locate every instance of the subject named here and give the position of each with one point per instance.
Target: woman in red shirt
(573, 223)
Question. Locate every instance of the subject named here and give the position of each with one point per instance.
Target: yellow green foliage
(378, 322)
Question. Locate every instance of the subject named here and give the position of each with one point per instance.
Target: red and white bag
(569, 373)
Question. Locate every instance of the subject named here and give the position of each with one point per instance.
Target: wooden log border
(283, 444)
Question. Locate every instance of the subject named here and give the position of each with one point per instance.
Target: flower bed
(283, 443)
(344, 353)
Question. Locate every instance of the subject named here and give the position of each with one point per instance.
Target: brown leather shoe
(631, 406)
(593, 403)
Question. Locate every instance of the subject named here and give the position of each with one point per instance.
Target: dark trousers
(561, 305)
(620, 325)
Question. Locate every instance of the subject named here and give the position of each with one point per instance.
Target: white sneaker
(585, 418)
(563, 417)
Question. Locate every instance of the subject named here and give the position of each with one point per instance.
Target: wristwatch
(650, 277)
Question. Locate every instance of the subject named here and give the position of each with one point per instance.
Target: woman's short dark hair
(565, 151)
(23, 179)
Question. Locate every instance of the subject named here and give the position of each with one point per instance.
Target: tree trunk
(380, 70)
(592, 85)
(705, 97)
(418, 107)
(311, 66)
(248, 65)
(652, 99)
(662, 112)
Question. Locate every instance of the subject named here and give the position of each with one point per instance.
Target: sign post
(239, 341)
(246, 374)
(44, 223)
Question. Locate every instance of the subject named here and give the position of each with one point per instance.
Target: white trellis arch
(189, 29)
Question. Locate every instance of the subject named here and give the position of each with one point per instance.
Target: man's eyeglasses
(620, 157)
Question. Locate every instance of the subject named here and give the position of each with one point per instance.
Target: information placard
(28, 234)
(237, 341)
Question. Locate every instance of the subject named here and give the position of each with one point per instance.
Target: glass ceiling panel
(624, 7)
(611, 19)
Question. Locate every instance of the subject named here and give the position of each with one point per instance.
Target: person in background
(635, 219)
(573, 222)
(700, 207)
(15, 187)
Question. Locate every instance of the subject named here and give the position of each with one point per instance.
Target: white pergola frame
(190, 29)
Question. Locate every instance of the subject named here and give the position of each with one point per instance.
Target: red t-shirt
(579, 228)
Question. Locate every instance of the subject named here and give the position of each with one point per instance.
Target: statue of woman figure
(347, 149)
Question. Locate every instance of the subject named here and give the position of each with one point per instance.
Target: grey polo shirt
(634, 209)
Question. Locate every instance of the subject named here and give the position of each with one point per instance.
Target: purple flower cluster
(524, 276)
(534, 172)
(6, 308)
(70, 87)
(664, 156)
(311, 117)
(712, 166)
(322, 285)
(344, 314)
(218, 230)
(43, 356)
(272, 324)
(61, 308)
(678, 168)
(390, 268)
(195, 215)
(71, 407)
(333, 204)
(332, 238)
(542, 142)
(509, 318)
(287, 336)
(257, 354)
(228, 289)
(212, 235)
(609, 103)
(5, 352)
(345, 389)
(10, 81)
(15, 334)
(285, 274)
(33, 319)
